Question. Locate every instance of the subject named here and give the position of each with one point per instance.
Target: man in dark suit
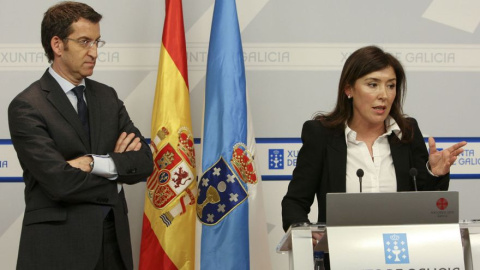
(77, 146)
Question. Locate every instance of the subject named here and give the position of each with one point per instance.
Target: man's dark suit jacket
(322, 165)
(63, 221)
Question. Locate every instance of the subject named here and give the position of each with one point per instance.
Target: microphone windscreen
(360, 173)
(413, 172)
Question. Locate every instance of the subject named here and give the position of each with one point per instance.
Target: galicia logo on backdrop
(276, 159)
(396, 248)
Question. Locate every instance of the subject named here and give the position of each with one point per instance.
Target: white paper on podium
(436, 246)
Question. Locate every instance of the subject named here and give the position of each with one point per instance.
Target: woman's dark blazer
(321, 169)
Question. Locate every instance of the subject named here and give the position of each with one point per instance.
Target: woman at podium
(368, 135)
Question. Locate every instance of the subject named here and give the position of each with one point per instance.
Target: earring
(349, 97)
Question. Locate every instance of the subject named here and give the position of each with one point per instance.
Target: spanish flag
(168, 233)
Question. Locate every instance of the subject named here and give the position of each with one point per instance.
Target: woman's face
(373, 95)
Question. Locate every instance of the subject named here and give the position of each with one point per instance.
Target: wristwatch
(92, 164)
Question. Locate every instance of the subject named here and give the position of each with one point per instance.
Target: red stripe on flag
(152, 255)
(152, 179)
(173, 38)
(182, 202)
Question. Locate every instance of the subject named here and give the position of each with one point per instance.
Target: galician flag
(168, 234)
(229, 205)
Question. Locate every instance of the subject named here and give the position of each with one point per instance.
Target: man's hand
(82, 163)
(126, 143)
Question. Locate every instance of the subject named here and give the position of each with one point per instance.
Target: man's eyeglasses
(88, 43)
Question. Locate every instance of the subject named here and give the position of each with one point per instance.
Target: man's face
(75, 61)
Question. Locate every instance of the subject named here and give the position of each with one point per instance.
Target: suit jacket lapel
(401, 156)
(337, 151)
(60, 101)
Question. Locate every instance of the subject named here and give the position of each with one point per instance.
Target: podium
(297, 242)
(404, 230)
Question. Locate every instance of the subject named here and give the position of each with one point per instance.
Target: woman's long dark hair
(360, 63)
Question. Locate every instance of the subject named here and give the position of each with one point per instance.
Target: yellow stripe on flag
(172, 100)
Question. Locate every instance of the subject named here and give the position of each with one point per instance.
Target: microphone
(413, 173)
(360, 175)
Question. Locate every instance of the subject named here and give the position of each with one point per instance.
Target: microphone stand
(360, 175)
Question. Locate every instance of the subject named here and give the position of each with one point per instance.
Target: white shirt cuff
(104, 166)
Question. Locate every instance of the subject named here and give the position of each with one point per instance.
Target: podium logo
(275, 159)
(442, 203)
(396, 248)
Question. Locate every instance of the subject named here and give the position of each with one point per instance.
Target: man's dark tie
(83, 114)
(82, 109)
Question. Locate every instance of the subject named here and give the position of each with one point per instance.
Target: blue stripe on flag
(225, 244)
